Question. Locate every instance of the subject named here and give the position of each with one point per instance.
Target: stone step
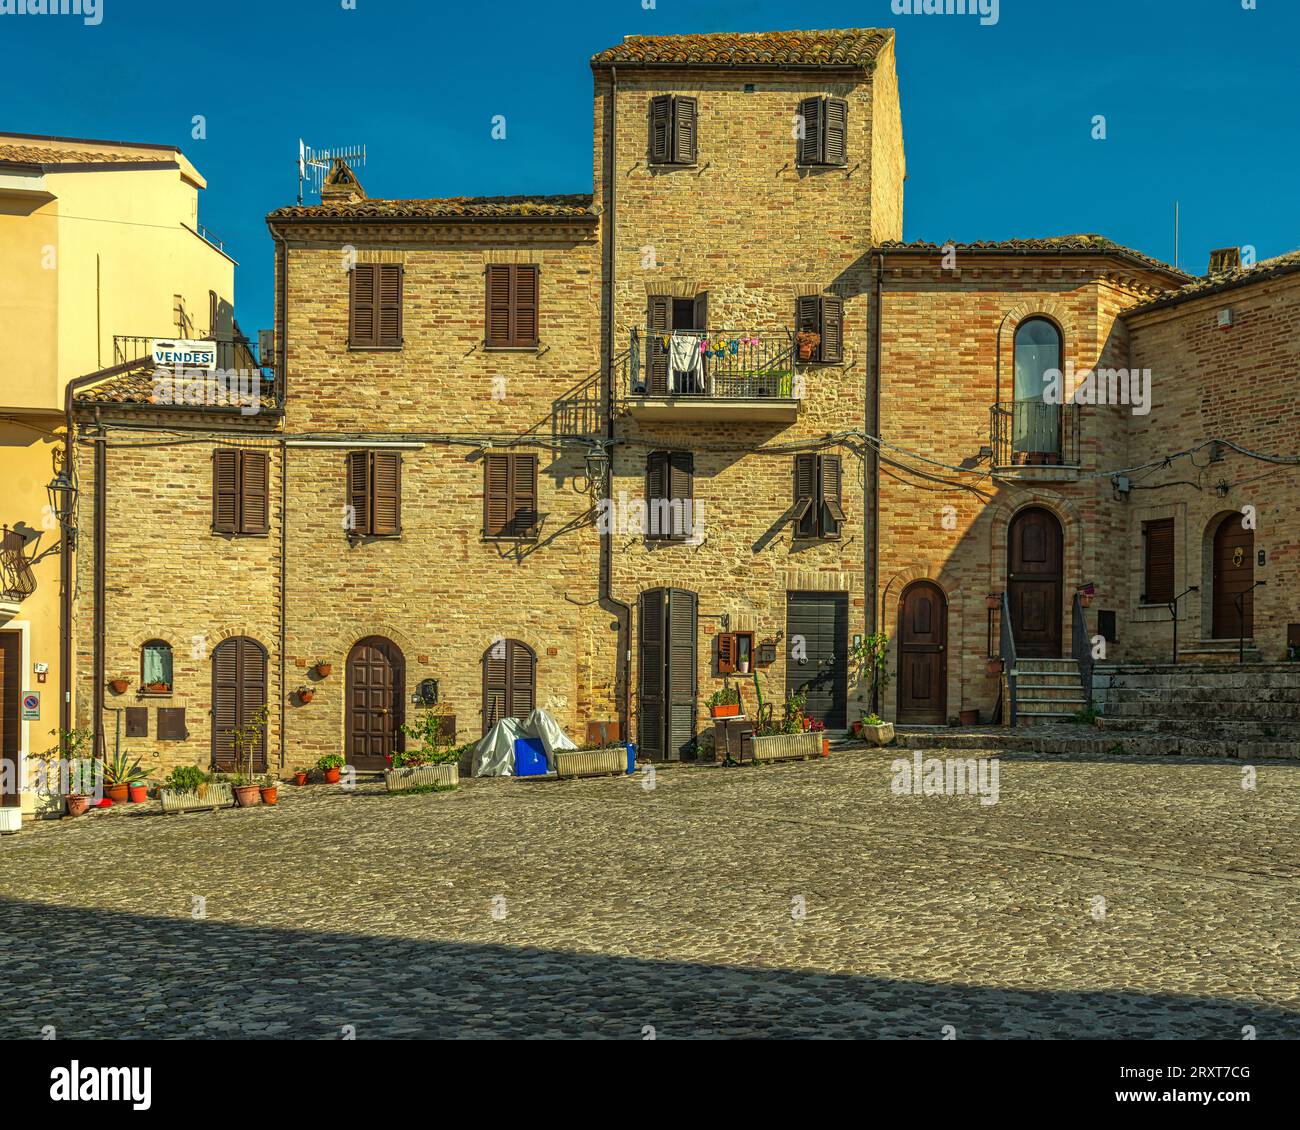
(1198, 694)
(1066, 666)
(1049, 678)
(1227, 709)
(1226, 677)
(1088, 742)
(1223, 729)
(1049, 694)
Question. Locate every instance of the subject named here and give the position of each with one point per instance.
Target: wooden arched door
(1035, 582)
(1234, 577)
(376, 697)
(509, 682)
(238, 693)
(923, 655)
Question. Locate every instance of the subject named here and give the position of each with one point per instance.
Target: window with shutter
(240, 491)
(374, 494)
(832, 516)
(375, 306)
(809, 145)
(225, 491)
(670, 495)
(726, 653)
(389, 286)
(822, 314)
(674, 128)
(659, 312)
(825, 133)
(511, 320)
(510, 497)
(1158, 559)
(805, 496)
(509, 681)
(818, 510)
(362, 321)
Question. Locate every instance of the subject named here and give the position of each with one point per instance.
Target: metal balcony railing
(234, 353)
(1029, 433)
(716, 363)
(17, 581)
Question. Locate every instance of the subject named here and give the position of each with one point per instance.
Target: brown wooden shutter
(835, 132)
(498, 305)
(685, 117)
(808, 150)
(701, 310)
(525, 304)
(807, 314)
(225, 491)
(832, 328)
(522, 680)
(225, 702)
(362, 320)
(496, 684)
(832, 510)
(523, 496)
(652, 640)
(681, 491)
(389, 287)
(657, 479)
(805, 496)
(386, 493)
(726, 653)
(359, 492)
(1159, 554)
(661, 110)
(254, 492)
(658, 320)
(682, 674)
(496, 495)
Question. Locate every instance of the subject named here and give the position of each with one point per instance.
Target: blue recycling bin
(631, 757)
(530, 758)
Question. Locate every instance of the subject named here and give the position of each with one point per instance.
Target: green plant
(330, 761)
(869, 658)
(185, 779)
(792, 720)
(119, 771)
(434, 748)
(247, 738)
(1085, 717)
(727, 696)
(72, 746)
(872, 719)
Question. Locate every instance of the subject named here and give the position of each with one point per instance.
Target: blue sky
(1200, 98)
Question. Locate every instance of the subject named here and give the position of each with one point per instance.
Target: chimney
(341, 185)
(1224, 260)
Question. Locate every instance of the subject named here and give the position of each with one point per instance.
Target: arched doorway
(509, 682)
(376, 697)
(1035, 580)
(238, 693)
(1234, 578)
(923, 655)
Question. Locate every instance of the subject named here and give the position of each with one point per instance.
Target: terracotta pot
(857, 729)
(117, 686)
(969, 717)
(826, 747)
(300, 778)
(323, 669)
(247, 795)
(117, 793)
(77, 805)
(306, 695)
(332, 776)
(729, 710)
(994, 667)
(270, 793)
(139, 793)
(992, 601)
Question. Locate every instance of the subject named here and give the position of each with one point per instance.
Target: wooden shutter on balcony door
(658, 320)
(254, 492)
(225, 491)
(523, 495)
(832, 328)
(496, 495)
(805, 495)
(389, 321)
(386, 493)
(835, 124)
(809, 146)
(651, 631)
(831, 483)
(684, 130)
(362, 320)
(661, 109)
(359, 492)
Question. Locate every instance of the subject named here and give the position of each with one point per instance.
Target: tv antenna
(313, 164)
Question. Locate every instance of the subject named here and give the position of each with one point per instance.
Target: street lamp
(63, 493)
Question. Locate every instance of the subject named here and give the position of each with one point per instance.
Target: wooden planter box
(219, 795)
(591, 762)
(787, 747)
(422, 776)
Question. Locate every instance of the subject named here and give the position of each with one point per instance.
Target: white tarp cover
(495, 754)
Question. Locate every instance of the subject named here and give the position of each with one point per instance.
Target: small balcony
(1032, 434)
(17, 581)
(736, 376)
(232, 353)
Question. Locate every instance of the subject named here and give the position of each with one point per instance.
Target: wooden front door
(923, 655)
(10, 717)
(667, 682)
(817, 662)
(376, 694)
(1035, 580)
(238, 693)
(1234, 576)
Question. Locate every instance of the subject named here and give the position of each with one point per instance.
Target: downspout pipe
(623, 610)
(281, 384)
(101, 568)
(873, 428)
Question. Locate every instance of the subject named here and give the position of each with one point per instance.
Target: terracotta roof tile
(845, 47)
(1047, 245)
(43, 155)
(1265, 269)
(140, 382)
(573, 206)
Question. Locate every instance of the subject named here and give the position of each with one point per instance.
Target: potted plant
(323, 669)
(300, 776)
(156, 688)
(870, 660)
(808, 342)
(876, 731)
(993, 600)
(120, 775)
(138, 792)
(433, 763)
(817, 727)
(306, 694)
(598, 759)
(269, 787)
(247, 738)
(71, 749)
(787, 739)
(724, 703)
(330, 766)
(189, 789)
(118, 686)
(994, 667)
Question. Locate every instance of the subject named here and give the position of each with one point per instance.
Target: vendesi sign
(180, 354)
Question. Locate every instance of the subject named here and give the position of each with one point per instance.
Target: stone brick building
(596, 453)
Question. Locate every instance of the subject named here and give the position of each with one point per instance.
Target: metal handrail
(1240, 601)
(1007, 648)
(1081, 646)
(1173, 615)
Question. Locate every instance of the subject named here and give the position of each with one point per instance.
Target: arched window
(156, 667)
(1036, 413)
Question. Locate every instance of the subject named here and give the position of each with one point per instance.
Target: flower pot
(270, 793)
(323, 669)
(993, 600)
(879, 735)
(246, 796)
(306, 695)
(208, 796)
(857, 729)
(591, 762)
(117, 686)
(786, 747)
(969, 717)
(728, 710)
(331, 776)
(117, 793)
(139, 793)
(826, 747)
(445, 776)
(77, 804)
(300, 778)
(743, 666)
(995, 667)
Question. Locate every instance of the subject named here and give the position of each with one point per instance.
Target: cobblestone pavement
(602, 908)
